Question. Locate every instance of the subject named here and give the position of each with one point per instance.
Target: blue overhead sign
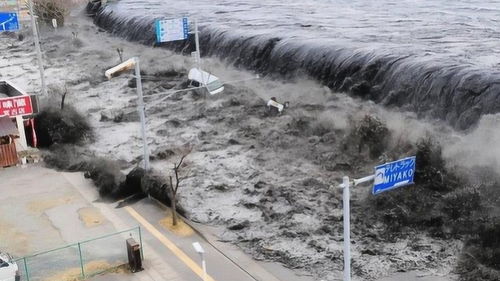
(9, 21)
(172, 30)
(394, 174)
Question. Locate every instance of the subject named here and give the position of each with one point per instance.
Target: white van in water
(8, 268)
(199, 77)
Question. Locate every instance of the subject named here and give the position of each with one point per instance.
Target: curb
(262, 275)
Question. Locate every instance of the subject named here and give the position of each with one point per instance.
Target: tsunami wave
(458, 93)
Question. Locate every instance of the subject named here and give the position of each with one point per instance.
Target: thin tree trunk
(174, 211)
(63, 99)
(173, 201)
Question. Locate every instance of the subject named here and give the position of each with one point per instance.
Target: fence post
(140, 242)
(26, 269)
(81, 259)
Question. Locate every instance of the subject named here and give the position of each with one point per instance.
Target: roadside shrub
(407, 208)
(321, 127)
(460, 204)
(431, 172)
(46, 10)
(439, 202)
(370, 132)
(107, 177)
(480, 259)
(56, 126)
(66, 158)
(489, 239)
(299, 125)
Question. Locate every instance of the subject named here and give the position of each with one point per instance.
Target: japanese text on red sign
(16, 106)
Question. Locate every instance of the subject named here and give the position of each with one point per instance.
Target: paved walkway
(44, 209)
(169, 256)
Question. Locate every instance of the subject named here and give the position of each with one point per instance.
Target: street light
(127, 65)
(197, 247)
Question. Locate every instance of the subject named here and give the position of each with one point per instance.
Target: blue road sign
(394, 174)
(172, 30)
(9, 21)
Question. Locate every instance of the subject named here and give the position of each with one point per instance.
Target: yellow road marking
(169, 244)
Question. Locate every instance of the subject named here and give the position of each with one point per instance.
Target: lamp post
(197, 247)
(127, 65)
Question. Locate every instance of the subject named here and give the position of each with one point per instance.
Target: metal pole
(81, 260)
(18, 9)
(204, 266)
(26, 269)
(140, 242)
(198, 54)
(347, 230)
(142, 115)
(22, 132)
(38, 49)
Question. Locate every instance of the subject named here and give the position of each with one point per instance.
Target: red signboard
(16, 106)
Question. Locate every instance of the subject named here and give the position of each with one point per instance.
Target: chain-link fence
(80, 260)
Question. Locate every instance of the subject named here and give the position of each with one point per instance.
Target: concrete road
(44, 209)
(41, 210)
(171, 256)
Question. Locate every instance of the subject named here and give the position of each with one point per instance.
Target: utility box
(134, 255)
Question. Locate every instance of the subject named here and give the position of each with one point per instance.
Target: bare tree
(173, 187)
(46, 10)
(63, 97)
(120, 53)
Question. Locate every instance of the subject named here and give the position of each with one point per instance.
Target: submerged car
(8, 268)
(198, 78)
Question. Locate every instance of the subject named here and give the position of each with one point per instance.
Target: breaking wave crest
(459, 94)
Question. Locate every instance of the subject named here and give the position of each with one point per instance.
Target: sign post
(37, 47)
(197, 44)
(387, 177)
(347, 228)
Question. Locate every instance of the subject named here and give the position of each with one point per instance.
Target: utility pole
(347, 229)
(37, 47)
(142, 115)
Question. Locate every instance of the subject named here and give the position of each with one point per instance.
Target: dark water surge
(439, 59)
